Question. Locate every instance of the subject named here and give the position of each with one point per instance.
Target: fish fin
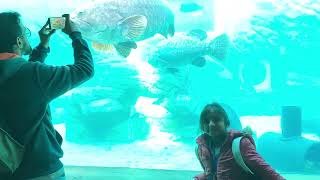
(129, 44)
(124, 49)
(199, 62)
(219, 47)
(102, 47)
(198, 33)
(134, 26)
(169, 32)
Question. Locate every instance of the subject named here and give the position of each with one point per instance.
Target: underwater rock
(97, 116)
(184, 118)
(286, 35)
(102, 110)
(183, 123)
(278, 24)
(282, 32)
(284, 154)
(312, 158)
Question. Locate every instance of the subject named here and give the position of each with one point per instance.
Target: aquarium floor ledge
(104, 173)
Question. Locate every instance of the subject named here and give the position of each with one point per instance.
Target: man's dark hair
(217, 111)
(10, 29)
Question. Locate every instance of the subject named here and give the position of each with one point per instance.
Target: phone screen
(57, 22)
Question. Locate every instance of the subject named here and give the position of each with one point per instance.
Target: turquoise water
(132, 114)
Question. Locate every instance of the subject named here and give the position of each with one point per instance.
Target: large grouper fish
(121, 23)
(190, 49)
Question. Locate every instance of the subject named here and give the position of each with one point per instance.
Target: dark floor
(104, 173)
(100, 173)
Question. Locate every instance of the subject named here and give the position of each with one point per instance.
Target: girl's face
(215, 125)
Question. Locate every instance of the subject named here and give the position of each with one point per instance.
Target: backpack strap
(12, 151)
(237, 155)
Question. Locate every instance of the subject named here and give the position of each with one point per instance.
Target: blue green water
(130, 115)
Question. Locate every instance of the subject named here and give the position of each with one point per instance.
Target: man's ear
(19, 42)
(227, 124)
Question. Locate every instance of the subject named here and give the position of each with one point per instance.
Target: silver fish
(121, 23)
(183, 50)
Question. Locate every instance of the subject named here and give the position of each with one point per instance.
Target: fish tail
(218, 47)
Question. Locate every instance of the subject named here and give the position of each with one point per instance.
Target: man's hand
(45, 34)
(70, 26)
(247, 131)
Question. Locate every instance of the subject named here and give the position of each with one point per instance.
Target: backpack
(237, 155)
(11, 153)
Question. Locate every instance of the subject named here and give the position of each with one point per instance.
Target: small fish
(198, 33)
(184, 50)
(190, 7)
(120, 24)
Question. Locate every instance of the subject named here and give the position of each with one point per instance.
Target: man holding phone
(26, 89)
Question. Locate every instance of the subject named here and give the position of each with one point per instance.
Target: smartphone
(57, 22)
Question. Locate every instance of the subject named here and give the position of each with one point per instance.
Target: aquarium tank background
(137, 115)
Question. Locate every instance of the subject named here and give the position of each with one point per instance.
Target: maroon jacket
(227, 168)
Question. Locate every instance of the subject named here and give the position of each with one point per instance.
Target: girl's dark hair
(10, 29)
(215, 110)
